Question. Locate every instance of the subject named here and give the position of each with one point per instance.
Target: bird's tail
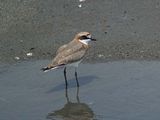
(52, 67)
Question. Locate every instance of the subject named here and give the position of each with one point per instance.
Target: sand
(124, 29)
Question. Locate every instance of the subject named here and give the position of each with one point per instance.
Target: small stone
(32, 48)
(80, 5)
(29, 54)
(100, 55)
(105, 32)
(82, 0)
(17, 58)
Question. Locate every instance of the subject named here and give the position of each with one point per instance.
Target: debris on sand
(17, 58)
(80, 5)
(29, 54)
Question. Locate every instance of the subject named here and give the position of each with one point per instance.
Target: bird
(71, 54)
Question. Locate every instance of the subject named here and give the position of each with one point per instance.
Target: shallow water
(121, 90)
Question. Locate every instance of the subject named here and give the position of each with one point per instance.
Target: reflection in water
(72, 111)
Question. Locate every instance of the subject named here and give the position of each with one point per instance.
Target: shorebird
(71, 54)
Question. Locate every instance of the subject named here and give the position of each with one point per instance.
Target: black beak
(93, 39)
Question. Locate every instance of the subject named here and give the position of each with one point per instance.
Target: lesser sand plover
(71, 54)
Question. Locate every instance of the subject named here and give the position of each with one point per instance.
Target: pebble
(100, 55)
(29, 54)
(82, 0)
(17, 58)
(80, 5)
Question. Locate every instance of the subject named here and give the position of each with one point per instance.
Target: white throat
(85, 41)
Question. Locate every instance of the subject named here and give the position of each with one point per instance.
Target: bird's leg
(65, 77)
(76, 77)
(66, 94)
(77, 95)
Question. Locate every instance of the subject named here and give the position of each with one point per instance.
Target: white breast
(75, 64)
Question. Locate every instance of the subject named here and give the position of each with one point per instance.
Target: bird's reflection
(72, 110)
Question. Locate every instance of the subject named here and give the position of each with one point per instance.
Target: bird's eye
(83, 37)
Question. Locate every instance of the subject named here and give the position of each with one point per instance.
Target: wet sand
(124, 29)
(127, 90)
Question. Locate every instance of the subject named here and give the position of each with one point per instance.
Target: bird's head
(84, 37)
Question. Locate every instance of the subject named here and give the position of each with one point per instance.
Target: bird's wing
(72, 57)
(65, 47)
(77, 50)
(60, 49)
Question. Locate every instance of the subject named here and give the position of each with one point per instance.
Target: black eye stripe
(83, 37)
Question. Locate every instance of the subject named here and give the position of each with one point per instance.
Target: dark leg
(76, 78)
(65, 77)
(77, 95)
(66, 93)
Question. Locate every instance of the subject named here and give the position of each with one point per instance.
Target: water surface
(120, 90)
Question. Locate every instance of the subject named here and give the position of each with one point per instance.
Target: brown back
(72, 52)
